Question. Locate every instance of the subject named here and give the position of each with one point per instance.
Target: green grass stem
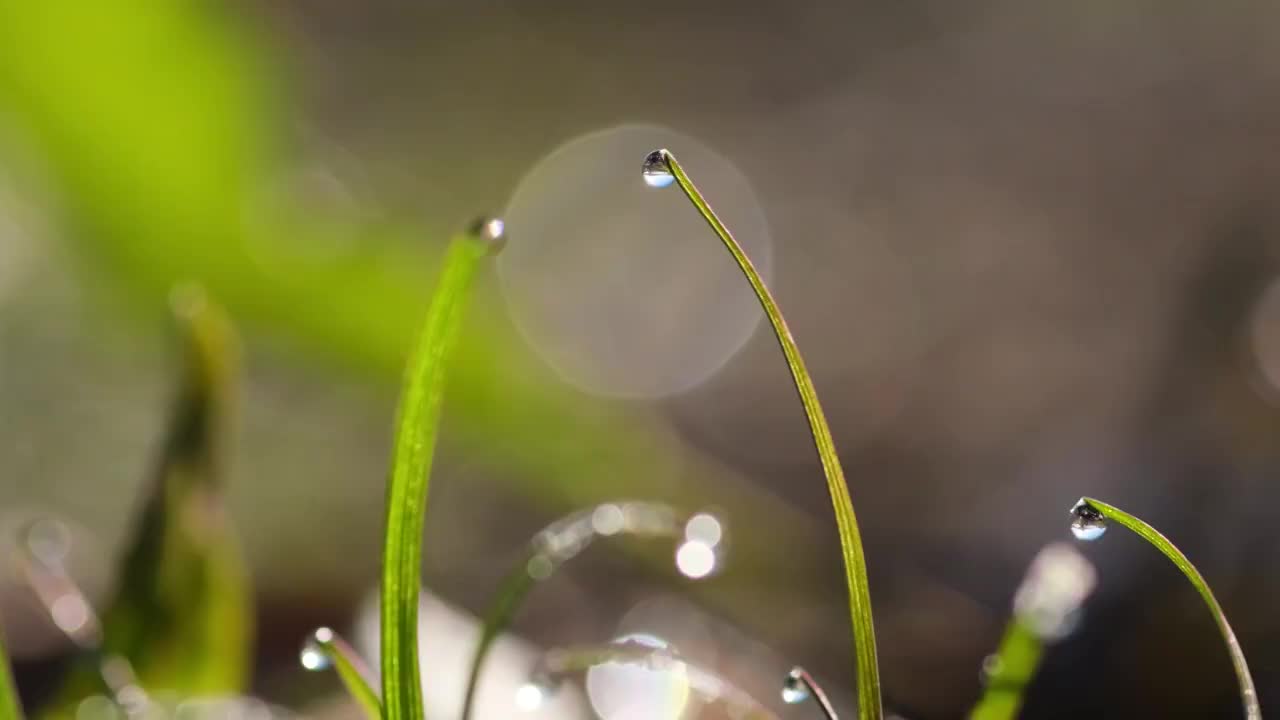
(416, 429)
(1248, 693)
(867, 669)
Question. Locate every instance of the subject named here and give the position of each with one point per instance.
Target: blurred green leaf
(10, 708)
(182, 613)
(413, 448)
(1016, 662)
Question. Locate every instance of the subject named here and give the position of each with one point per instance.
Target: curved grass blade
(412, 450)
(558, 664)
(181, 616)
(800, 686)
(1045, 609)
(10, 708)
(867, 668)
(325, 649)
(553, 546)
(1248, 693)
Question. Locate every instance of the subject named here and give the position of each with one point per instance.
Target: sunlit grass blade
(181, 616)
(10, 707)
(326, 649)
(1046, 609)
(867, 669)
(800, 686)
(555, 545)
(417, 425)
(1088, 509)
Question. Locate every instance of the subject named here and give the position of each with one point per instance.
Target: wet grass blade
(546, 553)
(1017, 660)
(182, 614)
(867, 668)
(10, 709)
(417, 425)
(351, 670)
(1248, 693)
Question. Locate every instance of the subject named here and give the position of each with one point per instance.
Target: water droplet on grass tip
(313, 655)
(794, 691)
(656, 172)
(1087, 522)
(492, 231)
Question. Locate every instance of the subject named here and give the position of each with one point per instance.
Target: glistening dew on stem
(800, 686)
(661, 169)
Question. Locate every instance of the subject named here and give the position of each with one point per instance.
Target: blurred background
(1029, 249)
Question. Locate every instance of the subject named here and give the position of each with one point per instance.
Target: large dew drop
(313, 655)
(1087, 522)
(492, 231)
(794, 691)
(656, 172)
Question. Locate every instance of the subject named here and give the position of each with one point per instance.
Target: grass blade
(549, 549)
(182, 615)
(1088, 507)
(867, 668)
(10, 709)
(800, 686)
(325, 649)
(412, 450)
(1045, 609)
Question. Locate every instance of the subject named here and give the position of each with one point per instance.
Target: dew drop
(535, 692)
(313, 655)
(48, 541)
(491, 231)
(794, 691)
(1087, 522)
(656, 171)
(696, 559)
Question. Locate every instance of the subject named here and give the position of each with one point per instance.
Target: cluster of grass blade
(417, 426)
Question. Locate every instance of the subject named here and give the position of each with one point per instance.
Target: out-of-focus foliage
(9, 706)
(159, 134)
(182, 614)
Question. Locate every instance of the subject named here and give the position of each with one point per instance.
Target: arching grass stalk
(868, 672)
(1088, 508)
(10, 709)
(417, 425)
(326, 649)
(551, 548)
(801, 686)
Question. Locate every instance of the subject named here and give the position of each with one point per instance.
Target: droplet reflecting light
(695, 559)
(1087, 522)
(313, 656)
(656, 172)
(705, 528)
(794, 691)
(530, 696)
(492, 231)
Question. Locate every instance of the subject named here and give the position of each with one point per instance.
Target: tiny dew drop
(492, 231)
(313, 656)
(656, 172)
(535, 692)
(794, 691)
(1087, 522)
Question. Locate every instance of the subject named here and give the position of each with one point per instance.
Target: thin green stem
(10, 708)
(412, 450)
(799, 675)
(547, 551)
(867, 669)
(350, 669)
(1248, 693)
(1008, 673)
